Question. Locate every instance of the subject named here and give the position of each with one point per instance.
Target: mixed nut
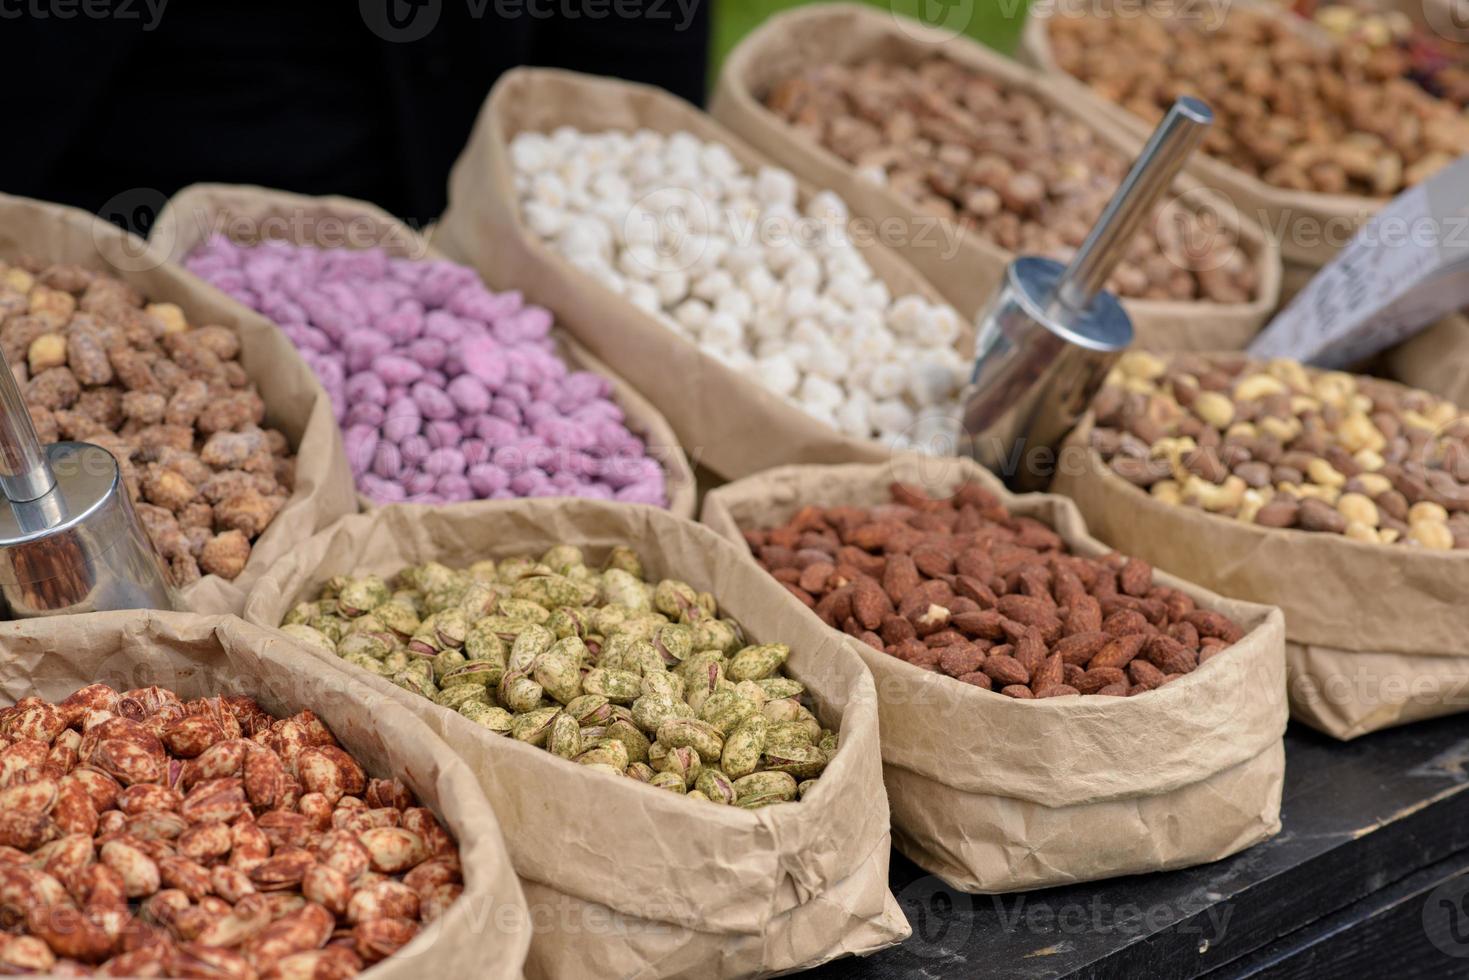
(1437, 64)
(145, 835)
(1286, 446)
(732, 258)
(445, 390)
(962, 587)
(1297, 114)
(628, 677)
(967, 147)
(168, 399)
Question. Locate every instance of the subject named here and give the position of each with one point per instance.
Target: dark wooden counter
(1369, 876)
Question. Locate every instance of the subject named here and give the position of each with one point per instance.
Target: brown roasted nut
(67, 878)
(999, 159)
(1292, 109)
(996, 602)
(392, 850)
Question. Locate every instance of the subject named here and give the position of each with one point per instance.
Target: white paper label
(1407, 267)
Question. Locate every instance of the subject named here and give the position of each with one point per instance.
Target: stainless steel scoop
(70, 540)
(1051, 333)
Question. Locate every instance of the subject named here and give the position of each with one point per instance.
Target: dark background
(115, 107)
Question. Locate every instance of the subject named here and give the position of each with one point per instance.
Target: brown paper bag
(294, 402)
(484, 934)
(724, 420)
(1309, 227)
(626, 879)
(1435, 360)
(248, 215)
(965, 266)
(994, 794)
(1376, 632)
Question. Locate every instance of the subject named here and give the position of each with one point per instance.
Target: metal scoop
(70, 540)
(1051, 333)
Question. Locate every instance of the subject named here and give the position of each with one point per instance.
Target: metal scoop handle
(25, 472)
(1169, 148)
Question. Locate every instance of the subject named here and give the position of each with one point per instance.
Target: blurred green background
(994, 22)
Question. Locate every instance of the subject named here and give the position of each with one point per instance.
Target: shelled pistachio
(599, 666)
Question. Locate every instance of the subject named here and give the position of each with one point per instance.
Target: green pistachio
(313, 638)
(533, 726)
(670, 781)
(607, 751)
(635, 741)
(621, 589)
(497, 720)
(617, 686)
(524, 611)
(302, 614)
(715, 785)
(673, 598)
(558, 671)
(589, 709)
(571, 621)
(743, 747)
(756, 662)
(475, 673)
(445, 662)
(565, 736)
(455, 698)
(698, 735)
(781, 785)
(663, 682)
(520, 693)
(802, 761)
(333, 586)
(362, 595)
(529, 645)
(483, 643)
(640, 771)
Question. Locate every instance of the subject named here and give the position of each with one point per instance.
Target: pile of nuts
(730, 260)
(1285, 446)
(142, 835)
(1299, 115)
(625, 676)
(445, 390)
(960, 586)
(1439, 65)
(170, 400)
(967, 147)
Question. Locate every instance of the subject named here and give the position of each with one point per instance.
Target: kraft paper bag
(1309, 227)
(1436, 360)
(294, 402)
(484, 934)
(1375, 632)
(993, 794)
(965, 266)
(249, 215)
(625, 879)
(725, 421)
